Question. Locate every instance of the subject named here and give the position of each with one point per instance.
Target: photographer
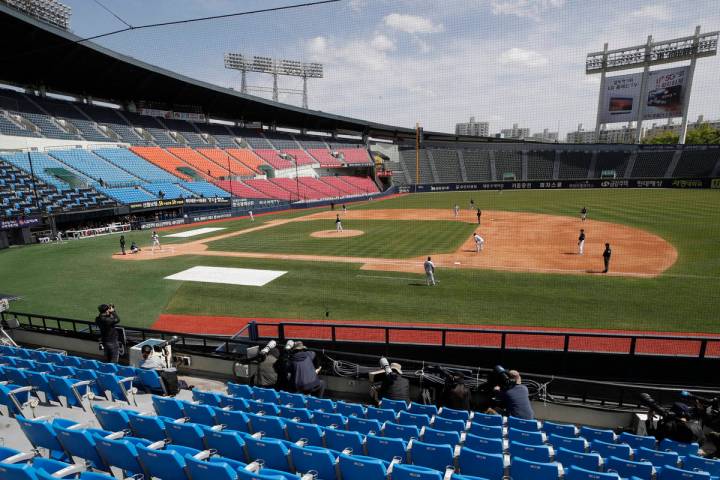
(455, 393)
(676, 424)
(514, 396)
(109, 336)
(168, 375)
(267, 375)
(393, 387)
(304, 368)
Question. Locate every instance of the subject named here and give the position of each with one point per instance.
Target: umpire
(606, 257)
(109, 336)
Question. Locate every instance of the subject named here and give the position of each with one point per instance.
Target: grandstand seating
(127, 194)
(297, 188)
(48, 169)
(300, 157)
(129, 161)
(508, 163)
(270, 189)
(540, 165)
(239, 189)
(477, 165)
(186, 129)
(89, 164)
(697, 163)
(168, 162)
(651, 164)
(274, 159)
(355, 156)
(617, 161)
(574, 165)
(326, 190)
(447, 165)
(254, 138)
(8, 127)
(247, 158)
(281, 140)
(199, 162)
(203, 434)
(407, 160)
(227, 161)
(324, 157)
(205, 189)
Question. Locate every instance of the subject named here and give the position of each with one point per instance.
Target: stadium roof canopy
(37, 54)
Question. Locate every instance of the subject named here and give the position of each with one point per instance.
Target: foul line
(389, 278)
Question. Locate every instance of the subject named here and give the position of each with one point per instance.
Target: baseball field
(664, 271)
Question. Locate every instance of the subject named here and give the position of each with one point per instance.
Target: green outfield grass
(70, 280)
(381, 238)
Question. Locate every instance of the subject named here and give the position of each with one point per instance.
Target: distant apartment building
(515, 132)
(670, 126)
(545, 136)
(473, 128)
(624, 134)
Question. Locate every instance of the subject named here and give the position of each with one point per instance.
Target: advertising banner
(665, 92)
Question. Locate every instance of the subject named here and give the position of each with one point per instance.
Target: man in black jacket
(109, 337)
(393, 387)
(304, 371)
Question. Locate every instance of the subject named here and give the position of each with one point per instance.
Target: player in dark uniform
(606, 257)
(583, 214)
(479, 214)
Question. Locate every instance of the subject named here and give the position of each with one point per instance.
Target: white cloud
(526, 58)
(317, 46)
(653, 12)
(358, 5)
(382, 43)
(524, 8)
(411, 23)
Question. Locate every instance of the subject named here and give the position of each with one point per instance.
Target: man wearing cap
(679, 425)
(394, 386)
(109, 336)
(303, 366)
(516, 398)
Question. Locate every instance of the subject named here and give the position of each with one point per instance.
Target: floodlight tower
(644, 56)
(274, 67)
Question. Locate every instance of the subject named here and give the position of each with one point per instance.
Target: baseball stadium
(175, 240)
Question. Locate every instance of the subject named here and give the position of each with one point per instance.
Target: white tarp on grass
(192, 233)
(231, 276)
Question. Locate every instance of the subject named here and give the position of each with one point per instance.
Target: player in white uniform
(429, 272)
(479, 242)
(155, 241)
(456, 210)
(581, 242)
(252, 218)
(338, 224)
(59, 237)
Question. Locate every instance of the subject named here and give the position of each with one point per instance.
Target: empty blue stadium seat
(215, 470)
(342, 439)
(303, 414)
(186, 434)
(81, 443)
(121, 453)
(396, 405)
(167, 464)
(485, 465)
(232, 420)
(317, 459)
(272, 451)
(487, 419)
(440, 437)
(535, 453)
(358, 467)
(265, 474)
(406, 432)
(522, 469)
(310, 432)
(658, 458)
(422, 409)
(227, 443)
(386, 448)
(628, 468)
(234, 403)
(415, 472)
(42, 434)
(674, 473)
(453, 414)
(419, 420)
(295, 400)
(323, 404)
(168, 407)
(150, 427)
(113, 419)
(523, 424)
(577, 473)
(257, 406)
(575, 444)
(200, 413)
(431, 455)
(486, 431)
(606, 449)
(267, 395)
(329, 419)
(485, 445)
(150, 380)
(522, 436)
(597, 434)
(364, 426)
(240, 390)
(702, 464)
(679, 447)
(588, 461)
(269, 425)
(350, 409)
(206, 398)
(381, 414)
(637, 441)
(440, 423)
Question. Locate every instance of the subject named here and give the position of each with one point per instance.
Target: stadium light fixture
(274, 67)
(49, 11)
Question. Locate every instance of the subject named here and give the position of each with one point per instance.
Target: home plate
(192, 233)
(232, 276)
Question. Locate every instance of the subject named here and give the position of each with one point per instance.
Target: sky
(400, 62)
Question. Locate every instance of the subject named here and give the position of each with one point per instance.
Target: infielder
(581, 242)
(583, 214)
(479, 214)
(252, 217)
(338, 224)
(606, 257)
(456, 210)
(155, 241)
(479, 242)
(429, 272)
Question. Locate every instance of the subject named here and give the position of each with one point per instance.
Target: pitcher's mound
(335, 234)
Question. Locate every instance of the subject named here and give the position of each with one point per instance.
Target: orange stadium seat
(166, 161)
(226, 160)
(200, 162)
(247, 158)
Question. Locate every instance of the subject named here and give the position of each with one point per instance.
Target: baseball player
(456, 210)
(581, 242)
(155, 241)
(583, 214)
(338, 224)
(472, 204)
(606, 257)
(479, 214)
(429, 272)
(252, 217)
(479, 242)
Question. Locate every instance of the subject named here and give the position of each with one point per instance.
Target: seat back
(440, 437)
(324, 404)
(358, 467)
(523, 424)
(658, 458)
(422, 409)
(41, 434)
(295, 400)
(673, 473)
(200, 413)
(202, 470)
(535, 453)
(240, 390)
(364, 426)
(482, 444)
(329, 419)
(679, 447)
(168, 407)
(317, 459)
(232, 420)
(381, 414)
(419, 420)
(432, 456)
(522, 436)
(485, 465)
(308, 431)
(341, 439)
(80, 443)
(575, 444)
(166, 464)
(386, 448)
(487, 431)
(441, 423)
(227, 443)
(453, 414)
(414, 472)
(396, 405)
(607, 450)
(576, 473)
(271, 426)
(121, 453)
(267, 395)
(588, 461)
(186, 434)
(150, 427)
(628, 468)
(150, 380)
(597, 434)
(702, 464)
(637, 441)
(206, 398)
(522, 469)
(395, 430)
(350, 409)
(63, 387)
(493, 420)
(302, 413)
(235, 403)
(272, 451)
